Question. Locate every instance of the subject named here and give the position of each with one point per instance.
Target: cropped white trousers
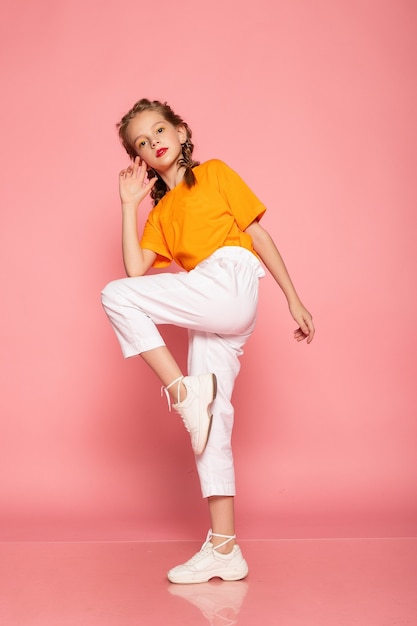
(217, 303)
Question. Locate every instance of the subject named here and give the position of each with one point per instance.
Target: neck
(172, 178)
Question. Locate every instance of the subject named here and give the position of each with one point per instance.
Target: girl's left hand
(304, 319)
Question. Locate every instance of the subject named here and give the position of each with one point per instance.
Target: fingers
(134, 171)
(299, 335)
(127, 173)
(311, 334)
(305, 331)
(150, 184)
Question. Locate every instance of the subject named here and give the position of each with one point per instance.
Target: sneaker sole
(210, 415)
(227, 577)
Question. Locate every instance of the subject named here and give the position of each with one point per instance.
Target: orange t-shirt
(188, 225)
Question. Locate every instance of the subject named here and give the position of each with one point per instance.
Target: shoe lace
(201, 553)
(206, 543)
(165, 390)
(226, 537)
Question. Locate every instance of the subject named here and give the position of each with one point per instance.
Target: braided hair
(160, 189)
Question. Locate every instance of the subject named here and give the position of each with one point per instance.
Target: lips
(160, 152)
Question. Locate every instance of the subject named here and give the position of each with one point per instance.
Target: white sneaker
(195, 409)
(210, 563)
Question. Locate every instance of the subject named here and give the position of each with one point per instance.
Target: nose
(154, 142)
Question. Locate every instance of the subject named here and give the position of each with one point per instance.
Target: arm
(133, 189)
(268, 252)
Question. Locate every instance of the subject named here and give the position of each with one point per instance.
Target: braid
(160, 189)
(187, 160)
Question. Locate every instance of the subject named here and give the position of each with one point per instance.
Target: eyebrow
(143, 134)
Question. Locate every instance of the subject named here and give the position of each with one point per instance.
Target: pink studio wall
(313, 103)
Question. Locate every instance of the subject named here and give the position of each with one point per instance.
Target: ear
(182, 133)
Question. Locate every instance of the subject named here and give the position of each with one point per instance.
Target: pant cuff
(219, 489)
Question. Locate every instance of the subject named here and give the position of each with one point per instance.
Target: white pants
(217, 302)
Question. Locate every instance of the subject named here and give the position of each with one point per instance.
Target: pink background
(314, 104)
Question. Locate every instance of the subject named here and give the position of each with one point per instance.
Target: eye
(142, 143)
(160, 129)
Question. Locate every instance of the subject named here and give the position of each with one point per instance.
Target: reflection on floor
(346, 582)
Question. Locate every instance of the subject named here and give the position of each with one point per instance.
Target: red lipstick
(160, 152)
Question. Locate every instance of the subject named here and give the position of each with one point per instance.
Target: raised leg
(161, 361)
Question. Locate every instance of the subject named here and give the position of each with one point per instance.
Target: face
(156, 141)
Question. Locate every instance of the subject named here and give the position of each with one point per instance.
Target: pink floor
(343, 582)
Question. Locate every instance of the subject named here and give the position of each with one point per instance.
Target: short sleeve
(244, 204)
(153, 239)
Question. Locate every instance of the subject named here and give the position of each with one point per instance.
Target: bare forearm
(273, 261)
(135, 259)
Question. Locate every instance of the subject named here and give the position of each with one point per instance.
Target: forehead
(143, 123)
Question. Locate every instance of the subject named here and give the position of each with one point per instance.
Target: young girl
(206, 219)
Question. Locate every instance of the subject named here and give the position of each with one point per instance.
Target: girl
(206, 219)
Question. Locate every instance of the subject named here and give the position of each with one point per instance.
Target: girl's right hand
(133, 183)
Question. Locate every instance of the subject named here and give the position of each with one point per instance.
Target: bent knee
(111, 292)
